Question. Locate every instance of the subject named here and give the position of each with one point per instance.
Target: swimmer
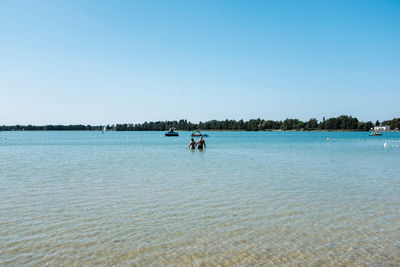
(201, 143)
(192, 144)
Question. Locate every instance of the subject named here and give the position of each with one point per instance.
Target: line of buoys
(386, 145)
(360, 140)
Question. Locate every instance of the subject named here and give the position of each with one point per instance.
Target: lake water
(250, 198)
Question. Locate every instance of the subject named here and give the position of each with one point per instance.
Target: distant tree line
(394, 124)
(339, 123)
(52, 128)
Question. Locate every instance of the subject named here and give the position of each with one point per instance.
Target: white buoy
(385, 145)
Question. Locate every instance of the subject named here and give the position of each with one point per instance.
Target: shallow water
(250, 198)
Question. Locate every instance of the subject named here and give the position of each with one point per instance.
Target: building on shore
(382, 128)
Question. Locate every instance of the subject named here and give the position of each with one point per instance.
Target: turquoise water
(250, 198)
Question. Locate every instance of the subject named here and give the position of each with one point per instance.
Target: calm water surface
(139, 198)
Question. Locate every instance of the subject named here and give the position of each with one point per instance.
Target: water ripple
(270, 199)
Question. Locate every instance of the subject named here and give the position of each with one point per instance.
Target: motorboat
(172, 132)
(197, 133)
(375, 133)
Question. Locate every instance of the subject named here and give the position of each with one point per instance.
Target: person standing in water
(192, 144)
(201, 143)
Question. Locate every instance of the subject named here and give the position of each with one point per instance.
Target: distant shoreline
(210, 130)
(342, 123)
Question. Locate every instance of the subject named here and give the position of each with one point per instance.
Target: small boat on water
(197, 133)
(172, 132)
(375, 133)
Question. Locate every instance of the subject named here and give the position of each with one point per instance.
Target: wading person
(192, 144)
(201, 143)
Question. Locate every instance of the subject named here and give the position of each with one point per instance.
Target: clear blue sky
(96, 62)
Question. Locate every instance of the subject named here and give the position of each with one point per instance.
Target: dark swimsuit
(200, 146)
